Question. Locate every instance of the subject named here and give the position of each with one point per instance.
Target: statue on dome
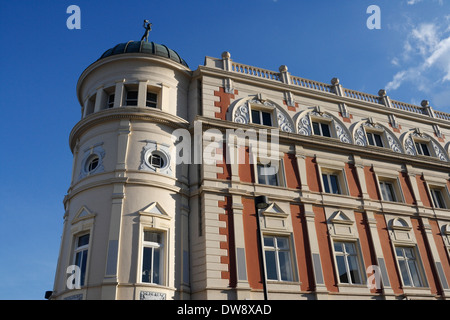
(148, 27)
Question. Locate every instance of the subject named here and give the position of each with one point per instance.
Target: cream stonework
(362, 184)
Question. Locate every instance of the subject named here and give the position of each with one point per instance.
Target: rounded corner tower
(126, 211)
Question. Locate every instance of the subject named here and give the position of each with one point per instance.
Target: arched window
(316, 122)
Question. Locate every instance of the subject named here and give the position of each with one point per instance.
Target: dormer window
(422, 148)
(261, 117)
(321, 129)
(374, 139)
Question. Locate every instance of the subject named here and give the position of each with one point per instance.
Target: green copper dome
(144, 47)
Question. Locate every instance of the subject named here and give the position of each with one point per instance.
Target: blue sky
(41, 60)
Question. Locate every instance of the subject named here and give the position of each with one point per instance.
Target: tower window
(92, 163)
(157, 160)
(132, 98)
(153, 257)
(152, 100)
(81, 255)
(110, 102)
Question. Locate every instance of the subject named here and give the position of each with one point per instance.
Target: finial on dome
(148, 27)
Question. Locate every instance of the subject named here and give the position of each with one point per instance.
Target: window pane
(132, 95)
(255, 117)
(342, 271)
(268, 242)
(334, 184)
(261, 176)
(391, 193)
(266, 118)
(157, 276)
(437, 199)
(151, 236)
(325, 130)
(399, 252)
(272, 180)
(409, 253)
(425, 150)
(418, 148)
(338, 247)
(83, 240)
(285, 265)
(354, 269)
(316, 128)
(271, 265)
(147, 265)
(378, 140)
(282, 243)
(414, 273)
(350, 248)
(326, 185)
(404, 272)
(370, 138)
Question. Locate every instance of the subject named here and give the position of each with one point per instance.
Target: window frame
(84, 250)
(328, 177)
(162, 257)
(421, 143)
(371, 136)
(417, 264)
(276, 249)
(393, 180)
(387, 191)
(345, 255)
(262, 111)
(266, 181)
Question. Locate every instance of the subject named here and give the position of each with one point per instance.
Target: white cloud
(412, 2)
(425, 60)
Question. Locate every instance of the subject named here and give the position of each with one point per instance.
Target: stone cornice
(325, 143)
(131, 113)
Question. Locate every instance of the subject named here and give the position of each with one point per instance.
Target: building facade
(235, 182)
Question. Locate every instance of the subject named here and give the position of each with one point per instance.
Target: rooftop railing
(335, 88)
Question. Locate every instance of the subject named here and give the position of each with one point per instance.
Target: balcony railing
(334, 88)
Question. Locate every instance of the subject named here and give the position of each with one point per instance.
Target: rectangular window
(321, 129)
(331, 183)
(438, 199)
(348, 264)
(387, 191)
(262, 117)
(81, 255)
(110, 102)
(277, 254)
(153, 258)
(422, 149)
(152, 100)
(132, 98)
(374, 139)
(267, 174)
(409, 267)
